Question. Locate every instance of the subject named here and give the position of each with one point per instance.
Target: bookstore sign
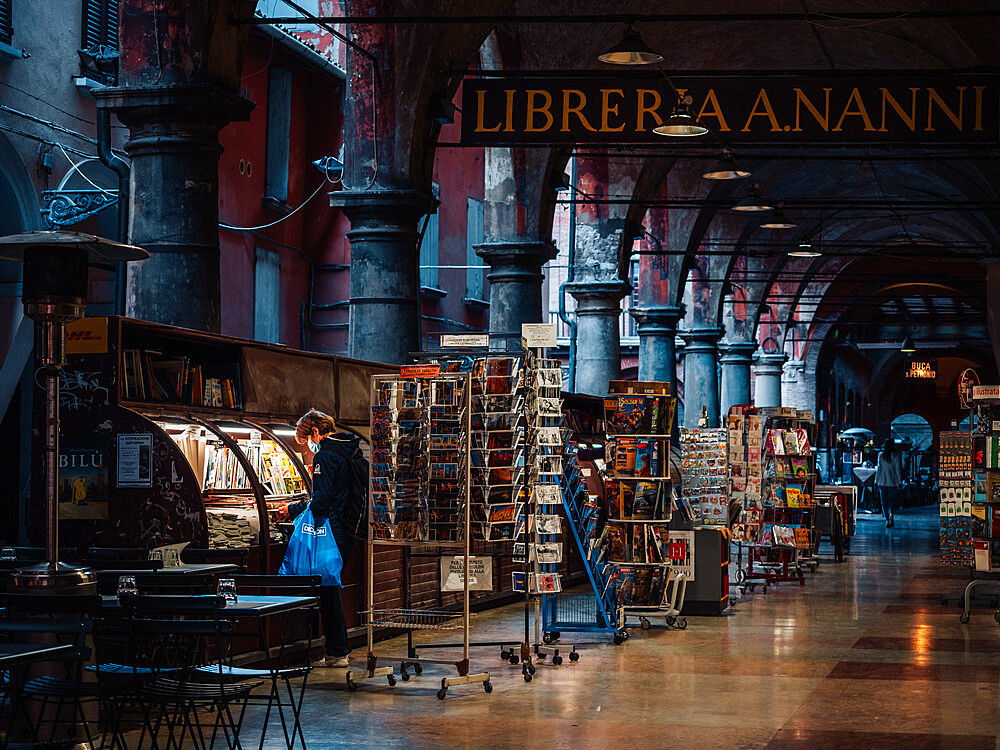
(883, 107)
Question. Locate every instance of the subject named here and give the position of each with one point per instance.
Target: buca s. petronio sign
(770, 108)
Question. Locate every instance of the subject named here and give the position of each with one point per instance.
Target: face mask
(314, 447)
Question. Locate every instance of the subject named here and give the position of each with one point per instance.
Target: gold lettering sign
(893, 107)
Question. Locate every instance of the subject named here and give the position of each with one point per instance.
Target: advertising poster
(82, 485)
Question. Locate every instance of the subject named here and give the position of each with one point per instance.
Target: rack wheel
(996, 615)
(963, 618)
(682, 623)
(351, 685)
(504, 655)
(531, 669)
(417, 669)
(556, 635)
(741, 575)
(765, 588)
(557, 660)
(752, 587)
(669, 619)
(391, 679)
(488, 686)
(527, 677)
(514, 659)
(404, 674)
(442, 693)
(644, 623)
(575, 655)
(547, 638)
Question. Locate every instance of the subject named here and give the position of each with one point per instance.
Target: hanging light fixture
(754, 201)
(907, 347)
(804, 250)
(681, 123)
(726, 168)
(778, 220)
(631, 50)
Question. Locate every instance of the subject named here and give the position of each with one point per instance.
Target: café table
(17, 658)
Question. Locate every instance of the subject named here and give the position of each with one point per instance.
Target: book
(626, 415)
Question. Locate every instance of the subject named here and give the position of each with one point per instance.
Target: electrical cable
(76, 168)
(289, 215)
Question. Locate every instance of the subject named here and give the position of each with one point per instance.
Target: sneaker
(334, 662)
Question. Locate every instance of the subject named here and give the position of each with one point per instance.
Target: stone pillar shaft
(701, 380)
(515, 277)
(767, 370)
(735, 361)
(384, 319)
(174, 195)
(598, 350)
(657, 329)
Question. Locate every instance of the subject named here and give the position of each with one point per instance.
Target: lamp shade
(726, 169)
(681, 123)
(804, 250)
(631, 50)
(753, 201)
(778, 220)
(907, 346)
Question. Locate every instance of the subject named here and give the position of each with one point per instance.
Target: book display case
(193, 433)
(775, 524)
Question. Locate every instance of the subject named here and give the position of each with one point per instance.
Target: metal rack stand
(418, 619)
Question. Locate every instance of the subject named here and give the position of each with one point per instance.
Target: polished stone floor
(863, 656)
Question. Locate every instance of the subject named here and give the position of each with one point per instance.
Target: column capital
(737, 352)
(659, 319)
(200, 103)
(360, 205)
(598, 297)
(792, 369)
(769, 364)
(515, 261)
(701, 339)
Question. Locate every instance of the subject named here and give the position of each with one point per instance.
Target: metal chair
(166, 641)
(235, 555)
(159, 582)
(277, 673)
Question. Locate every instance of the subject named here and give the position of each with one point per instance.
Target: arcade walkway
(864, 656)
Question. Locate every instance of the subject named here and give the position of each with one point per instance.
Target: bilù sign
(881, 107)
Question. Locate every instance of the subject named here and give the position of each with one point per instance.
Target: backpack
(354, 519)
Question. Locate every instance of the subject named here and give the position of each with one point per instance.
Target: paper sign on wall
(480, 573)
(538, 335)
(462, 340)
(135, 460)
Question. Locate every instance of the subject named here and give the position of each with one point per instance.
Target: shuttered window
(267, 297)
(473, 236)
(6, 22)
(100, 23)
(279, 124)
(429, 256)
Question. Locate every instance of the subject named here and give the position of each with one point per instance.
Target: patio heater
(54, 293)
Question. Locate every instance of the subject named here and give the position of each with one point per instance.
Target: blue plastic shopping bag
(312, 551)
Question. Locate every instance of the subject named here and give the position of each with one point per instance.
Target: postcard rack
(420, 479)
(541, 550)
(775, 524)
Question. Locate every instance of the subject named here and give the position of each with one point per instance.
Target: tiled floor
(864, 656)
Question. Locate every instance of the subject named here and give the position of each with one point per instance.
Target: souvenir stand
(419, 497)
(638, 575)
(775, 525)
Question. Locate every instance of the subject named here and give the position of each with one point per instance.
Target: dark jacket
(331, 478)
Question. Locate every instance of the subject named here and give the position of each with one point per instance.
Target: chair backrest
(65, 629)
(159, 582)
(52, 604)
(118, 553)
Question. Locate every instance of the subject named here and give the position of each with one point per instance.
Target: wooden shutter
(6, 22)
(279, 123)
(473, 237)
(100, 23)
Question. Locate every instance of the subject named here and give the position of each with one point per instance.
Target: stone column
(174, 187)
(657, 329)
(515, 277)
(598, 352)
(735, 361)
(384, 319)
(767, 369)
(701, 375)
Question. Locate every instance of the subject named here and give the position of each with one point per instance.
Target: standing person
(889, 478)
(331, 482)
